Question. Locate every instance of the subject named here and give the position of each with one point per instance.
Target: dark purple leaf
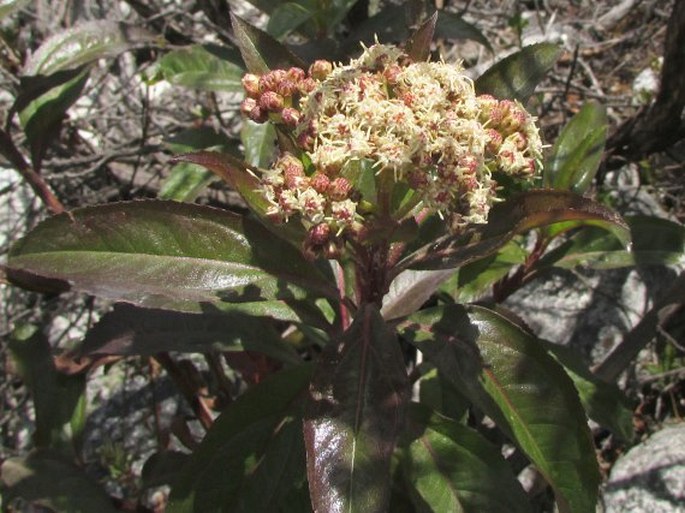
(355, 412)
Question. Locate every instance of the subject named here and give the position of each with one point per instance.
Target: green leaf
(46, 478)
(168, 255)
(43, 116)
(252, 458)
(84, 44)
(411, 289)
(453, 468)
(204, 67)
(128, 330)
(354, 416)
(163, 468)
(578, 150)
(260, 51)
(515, 77)
(7, 7)
(440, 394)
(259, 140)
(59, 399)
(532, 209)
(286, 18)
(603, 402)
(509, 376)
(419, 45)
(656, 241)
(452, 26)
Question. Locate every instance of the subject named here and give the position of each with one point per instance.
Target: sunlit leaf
(578, 150)
(260, 51)
(204, 67)
(128, 330)
(252, 458)
(163, 254)
(411, 289)
(259, 140)
(532, 209)
(510, 377)
(286, 18)
(354, 416)
(84, 44)
(46, 478)
(453, 468)
(58, 399)
(516, 76)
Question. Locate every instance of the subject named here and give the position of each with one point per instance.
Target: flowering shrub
(388, 182)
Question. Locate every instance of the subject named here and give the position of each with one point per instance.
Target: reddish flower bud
(290, 117)
(319, 234)
(295, 74)
(392, 73)
(271, 101)
(305, 141)
(247, 105)
(320, 69)
(307, 85)
(251, 85)
(258, 115)
(339, 189)
(320, 182)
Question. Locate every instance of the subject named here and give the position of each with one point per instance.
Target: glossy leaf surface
(515, 77)
(524, 212)
(354, 416)
(453, 468)
(509, 376)
(166, 255)
(34, 479)
(128, 330)
(259, 140)
(204, 67)
(252, 459)
(578, 150)
(260, 51)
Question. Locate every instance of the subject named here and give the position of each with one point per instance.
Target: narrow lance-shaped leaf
(508, 375)
(354, 416)
(252, 458)
(515, 77)
(129, 330)
(166, 255)
(418, 47)
(532, 209)
(578, 150)
(453, 468)
(260, 51)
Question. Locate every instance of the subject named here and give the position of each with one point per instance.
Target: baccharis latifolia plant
(396, 184)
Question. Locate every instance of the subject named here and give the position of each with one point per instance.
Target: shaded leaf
(128, 330)
(58, 399)
(419, 45)
(388, 25)
(260, 51)
(440, 394)
(452, 26)
(84, 44)
(259, 140)
(532, 209)
(287, 17)
(453, 468)
(603, 402)
(46, 478)
(515, 77)
(204, 67)
(655, 241)
(509, 376)
(354, 416)
(163, 468)
(252, 459)
(168, 255)
(578, 150)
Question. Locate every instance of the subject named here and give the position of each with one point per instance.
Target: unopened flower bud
(247, 105)
(271, 101)
(320, 69)
(271, 80)
(319, 234)
(295, 74)
(258, 115)
(392, 73)
(305, 141)
(320, 182)
(251, 85)
(290, 117)
(339, 189)
(307, 85)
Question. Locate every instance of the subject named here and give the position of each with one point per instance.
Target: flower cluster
(415, 122)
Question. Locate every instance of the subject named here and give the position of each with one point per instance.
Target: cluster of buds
(420, 123)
